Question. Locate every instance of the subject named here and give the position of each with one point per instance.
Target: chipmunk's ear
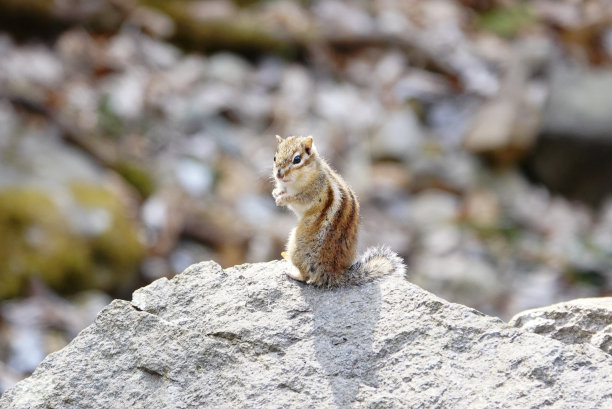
(279, 139)
(308, 143)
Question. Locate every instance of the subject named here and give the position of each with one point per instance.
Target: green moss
(505, 229)
(137, 176)
(116, 252)
(238, 34)
(37, 241)
(108, 120)
(507, 21)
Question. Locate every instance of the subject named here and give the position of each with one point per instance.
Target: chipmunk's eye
(274, 158)
(297, 159)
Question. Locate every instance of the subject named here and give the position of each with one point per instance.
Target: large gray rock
(582, 321)
(250, 337)
(579, 105)
(573, 155)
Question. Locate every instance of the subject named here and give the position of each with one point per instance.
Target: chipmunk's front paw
(278, 192)
(282, 200)
(280, 197)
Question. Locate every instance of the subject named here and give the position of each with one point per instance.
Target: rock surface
(248, 336)
(582, 321)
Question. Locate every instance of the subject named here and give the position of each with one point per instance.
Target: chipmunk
(323, 245)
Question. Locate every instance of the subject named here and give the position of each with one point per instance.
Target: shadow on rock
(344, 322)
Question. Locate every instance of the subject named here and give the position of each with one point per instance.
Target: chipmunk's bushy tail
(374, 263)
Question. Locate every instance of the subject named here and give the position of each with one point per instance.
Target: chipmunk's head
(294, 159)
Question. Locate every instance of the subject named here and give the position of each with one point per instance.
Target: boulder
(573, 153)
(248, 336)
(582, 321)
(579, 105)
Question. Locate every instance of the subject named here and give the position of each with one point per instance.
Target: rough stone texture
(250, 337)
(582, 321)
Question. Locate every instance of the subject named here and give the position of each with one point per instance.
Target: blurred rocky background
(137, 136)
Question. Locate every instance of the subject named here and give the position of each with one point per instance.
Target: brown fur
(323, 245)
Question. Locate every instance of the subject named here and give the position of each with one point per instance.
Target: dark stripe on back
(347, 216)
(339, 218)
(344, 195)
(340, 210)
(326, 206)
(344, 223)
(353, 213)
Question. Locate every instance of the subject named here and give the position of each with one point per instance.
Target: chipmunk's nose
(278, 174)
